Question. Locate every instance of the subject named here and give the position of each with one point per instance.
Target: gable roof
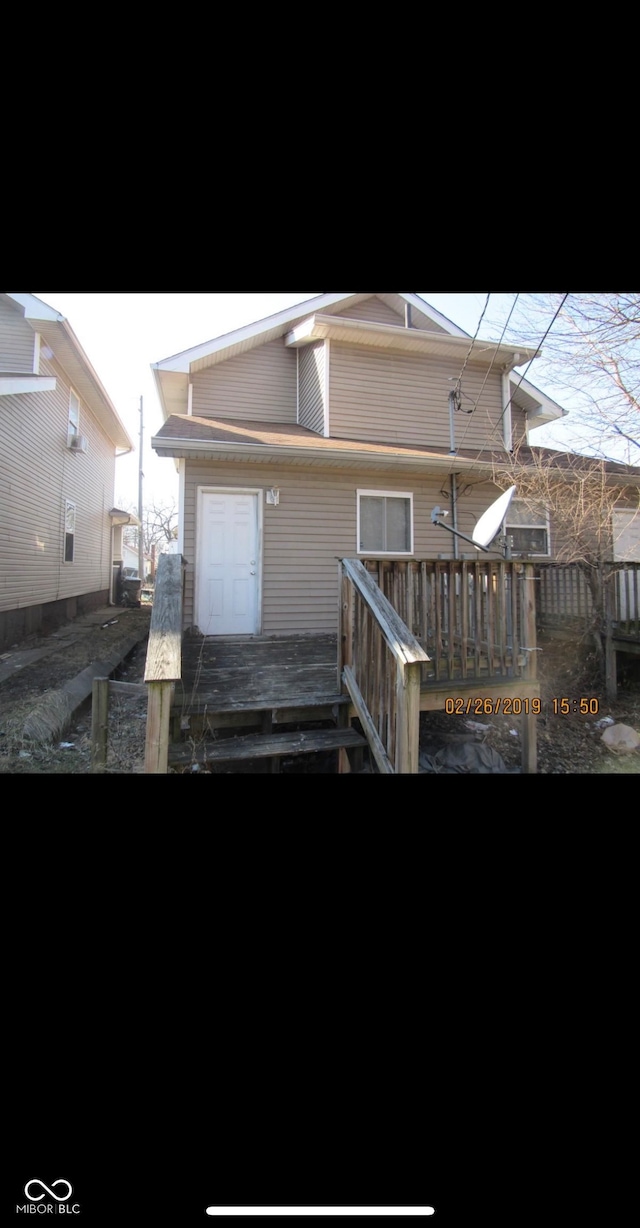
(56, 331)
(172, 374)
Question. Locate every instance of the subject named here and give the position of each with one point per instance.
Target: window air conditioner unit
(77, 443)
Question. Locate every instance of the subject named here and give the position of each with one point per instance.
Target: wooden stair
(265, 746)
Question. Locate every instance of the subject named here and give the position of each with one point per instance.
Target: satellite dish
(490, 521)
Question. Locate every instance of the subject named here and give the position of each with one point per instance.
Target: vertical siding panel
(312, 387)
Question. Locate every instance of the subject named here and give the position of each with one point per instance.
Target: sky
(123, 334)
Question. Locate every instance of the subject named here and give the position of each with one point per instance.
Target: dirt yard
(566, 744)
(32, 674)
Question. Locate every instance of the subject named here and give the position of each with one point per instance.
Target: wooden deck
(234, 676)
(295, 678)
(475, 638)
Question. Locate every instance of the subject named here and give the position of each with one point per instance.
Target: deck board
(246, 674)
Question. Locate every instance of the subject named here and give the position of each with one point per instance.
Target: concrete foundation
(16, 625)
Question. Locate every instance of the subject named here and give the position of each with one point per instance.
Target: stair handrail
(392, 728)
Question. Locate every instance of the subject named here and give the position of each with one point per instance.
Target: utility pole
(140, 530)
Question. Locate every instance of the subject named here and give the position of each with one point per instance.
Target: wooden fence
(564, 597)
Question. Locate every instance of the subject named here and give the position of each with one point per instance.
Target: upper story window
(529, 528)
(385, 522)
(74, 414)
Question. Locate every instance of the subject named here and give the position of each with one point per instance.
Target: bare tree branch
(593, 353)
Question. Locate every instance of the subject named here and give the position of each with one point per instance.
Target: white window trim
(71, 428)
(547, 526)
(67, 504)
(385, 494)
(625, 531)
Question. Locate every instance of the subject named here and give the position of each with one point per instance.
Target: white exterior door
(228, 563)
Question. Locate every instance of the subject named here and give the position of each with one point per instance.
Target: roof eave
(319, 327)
(182, 361)
(52, 325)
(217, 450)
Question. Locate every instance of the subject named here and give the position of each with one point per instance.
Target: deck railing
(379, 663)
(164, 658)
(471, 617)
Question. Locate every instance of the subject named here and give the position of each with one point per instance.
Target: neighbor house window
(385, 522)
(69, 530)
(528, 525)
(74, 415)
(626, 536)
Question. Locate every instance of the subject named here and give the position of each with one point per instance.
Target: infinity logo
(37, 1197)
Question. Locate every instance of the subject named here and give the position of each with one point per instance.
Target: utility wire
(477, 400)
(538, 347)
(459, 380)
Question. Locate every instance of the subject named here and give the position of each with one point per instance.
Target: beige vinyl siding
(374, 311)
(404, 398)
(313, 525)
(17, 339)
(418, 320)
(311, 386)
(38, 474)
(518, 426)
(260, 384)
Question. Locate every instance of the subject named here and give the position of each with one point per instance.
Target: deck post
(158, 719)
(345, 624)
(610, 657)
(408, 717)
(529, 720)
(99, 724)
(163, 666)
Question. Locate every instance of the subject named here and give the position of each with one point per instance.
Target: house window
(69, 530)
(626, 536)
(385, 522)
(74, 415)
(528, 525)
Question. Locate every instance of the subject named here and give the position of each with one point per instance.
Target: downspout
(111, 562)
(507, 428)
(454, 513)
(452, 433)
(182, 474)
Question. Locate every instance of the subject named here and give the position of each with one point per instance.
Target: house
(331, 430)
(61, 434)
(324, 453)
